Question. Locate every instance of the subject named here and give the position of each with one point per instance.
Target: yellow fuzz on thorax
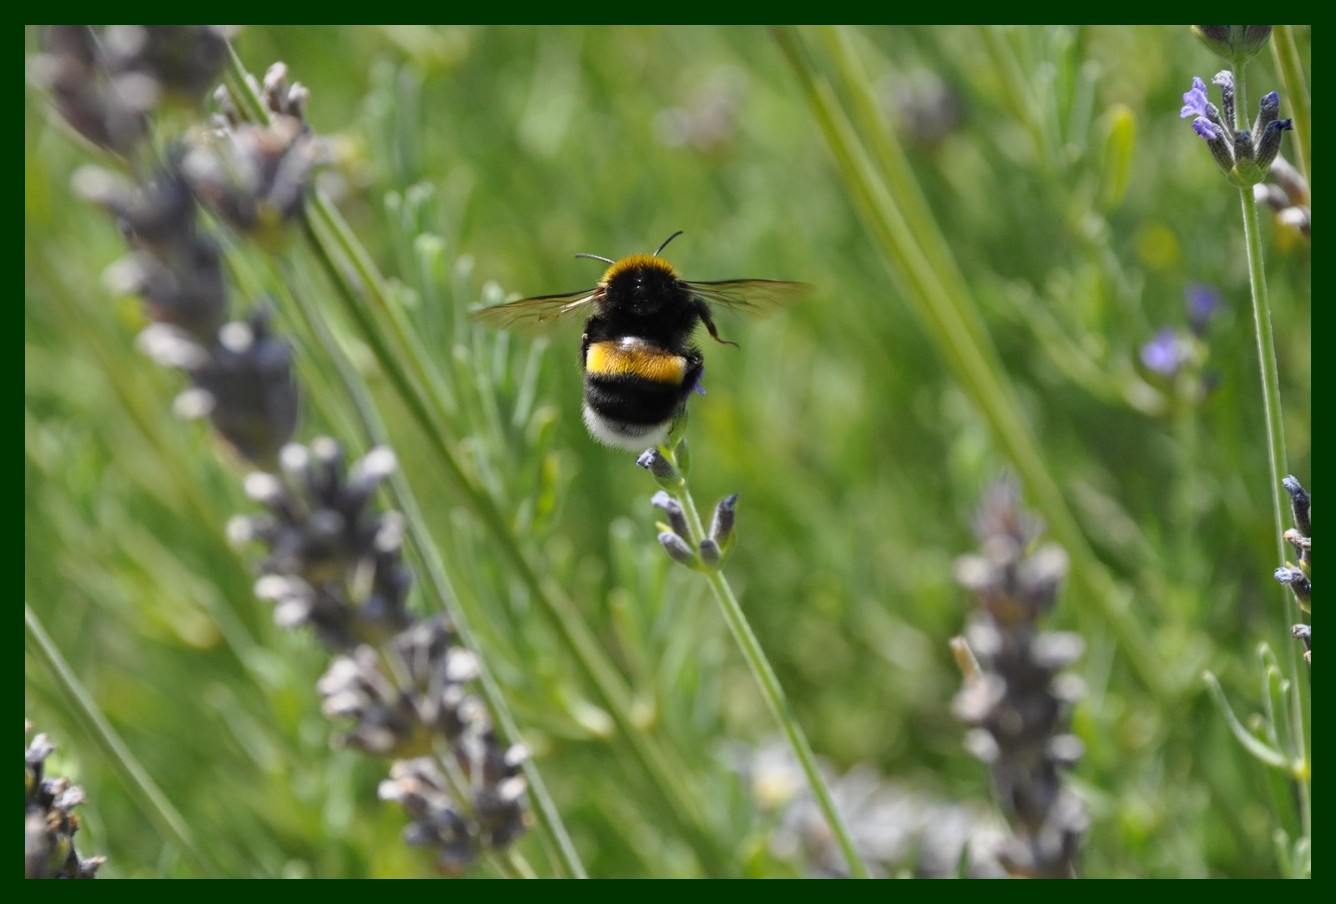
(637, 358)
(638, 262)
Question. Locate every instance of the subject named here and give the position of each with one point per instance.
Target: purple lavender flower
(1244, 155)
(1202, 302)
(1164, 353)
(1196, 104)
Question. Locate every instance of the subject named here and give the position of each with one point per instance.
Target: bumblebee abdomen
(634, 390)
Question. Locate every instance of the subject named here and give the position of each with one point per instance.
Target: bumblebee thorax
(641, 285)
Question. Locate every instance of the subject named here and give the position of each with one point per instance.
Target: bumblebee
(639, 363)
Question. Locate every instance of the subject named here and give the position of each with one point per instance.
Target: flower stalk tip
(1243, 154)
(663, 470)
(725, 518)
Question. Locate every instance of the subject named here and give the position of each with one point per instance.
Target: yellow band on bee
(633, 357)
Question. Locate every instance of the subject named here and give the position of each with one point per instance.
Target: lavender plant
(1017, 703)
(336, 566)
(1244, 154)
(1069, 138)
(1005, 237)
(49, 821)
(333, 564)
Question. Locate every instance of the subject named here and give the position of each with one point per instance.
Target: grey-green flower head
(106, 81)
(256, 177)
(49, 821)
(490, 817)
(1233, 42)
(335, 562)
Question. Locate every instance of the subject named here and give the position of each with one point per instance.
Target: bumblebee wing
(753, 297)
(534, 313)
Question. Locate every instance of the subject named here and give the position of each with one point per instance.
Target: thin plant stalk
(1266, 343)
(766, 679)
(1275, 445)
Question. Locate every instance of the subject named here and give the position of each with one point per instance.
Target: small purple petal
(1202, 303)
(1194, 101)
(1162, 354)
(1206, 129)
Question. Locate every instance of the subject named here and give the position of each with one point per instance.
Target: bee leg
(709, 325)
(695, 370)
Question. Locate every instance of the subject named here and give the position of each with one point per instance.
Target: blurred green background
(474, 163)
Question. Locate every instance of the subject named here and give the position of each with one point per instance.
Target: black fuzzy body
(639, 380)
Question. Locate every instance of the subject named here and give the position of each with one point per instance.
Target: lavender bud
(1298, 582)
(1304, 633)
(1300, 505)
(673, 509)
(653, 461)
(677, 548)
(725, 516)
(1224, 79)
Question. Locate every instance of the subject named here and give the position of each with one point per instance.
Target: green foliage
(473, 163)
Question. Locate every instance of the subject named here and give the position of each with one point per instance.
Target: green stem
(766, 679)
(1275, 446)
(149, 796)
(1266, 357)
(1266, 348)
(518, 867)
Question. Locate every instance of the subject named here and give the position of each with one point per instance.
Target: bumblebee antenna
(597, 257)
(667, 240)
